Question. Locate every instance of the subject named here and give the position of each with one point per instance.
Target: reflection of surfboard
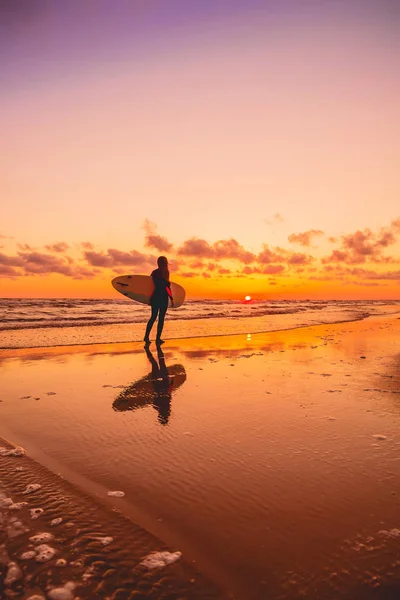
(150, 389)
(140, 288)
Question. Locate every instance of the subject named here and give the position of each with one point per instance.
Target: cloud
(264, 270)
(276, 218)
(231, 249)
(198, 264)
(58, 247)
(268, 256)
(304, 239)
(196, 247)
(8, 271)
(39, 263)
(25, 247)
(153, 240)
(222, 249)
(114, 258)
(12, 261)
(298, 258)
(223, 271)
(189, 274)
(362, 246)
(87, 246)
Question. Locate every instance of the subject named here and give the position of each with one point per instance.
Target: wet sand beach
(269, 459)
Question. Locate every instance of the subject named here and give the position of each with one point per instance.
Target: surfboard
(140, 289)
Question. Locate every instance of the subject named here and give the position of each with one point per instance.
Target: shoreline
(281, 328)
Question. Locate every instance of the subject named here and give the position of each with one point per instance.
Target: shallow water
(274, 465)
(38, 323)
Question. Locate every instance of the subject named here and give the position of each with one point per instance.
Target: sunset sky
(255, 143)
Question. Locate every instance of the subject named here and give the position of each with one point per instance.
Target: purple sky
(44, 38)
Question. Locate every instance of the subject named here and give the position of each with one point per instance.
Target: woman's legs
(150, 323)
(161, 317)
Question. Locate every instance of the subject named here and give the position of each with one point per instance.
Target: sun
(247, 298)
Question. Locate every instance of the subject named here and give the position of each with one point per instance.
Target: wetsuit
(158, 302)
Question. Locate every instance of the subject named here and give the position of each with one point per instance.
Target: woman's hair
(162, 262)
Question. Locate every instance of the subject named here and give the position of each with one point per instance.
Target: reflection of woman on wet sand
(162, 385)
(156, 388)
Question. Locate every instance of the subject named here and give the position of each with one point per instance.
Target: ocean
(64, 321)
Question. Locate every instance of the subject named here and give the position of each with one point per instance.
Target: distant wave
(21, 313)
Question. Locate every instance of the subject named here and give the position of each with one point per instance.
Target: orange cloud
(304, 239)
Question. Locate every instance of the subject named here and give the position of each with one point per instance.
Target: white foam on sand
(61, 562)
(36, 597)
(158, 560)
(390, 533)
(41, 538)
(18, 451)
(379, 436)
(63, 593)
(17, 505)
(32, 487)
(28, 555)
(15, 528)
(6, 503)
(36, 512)
(14, 573)
(116, 494)
(44, 553)
(105, 540)
(56, 522)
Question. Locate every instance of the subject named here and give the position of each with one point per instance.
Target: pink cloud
(58, 247)
(222, 249)
(304, 239)
(268, 256)
(362, 246)
(114, 258)
(299, 259)
(154, 240)
(198, 264)
(196, 247)
(231, 249)
(189, 274)
(12, 261)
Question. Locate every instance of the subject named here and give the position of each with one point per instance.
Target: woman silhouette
(159, 299)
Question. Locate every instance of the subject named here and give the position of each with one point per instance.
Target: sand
(273, 464)
(54, 537)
